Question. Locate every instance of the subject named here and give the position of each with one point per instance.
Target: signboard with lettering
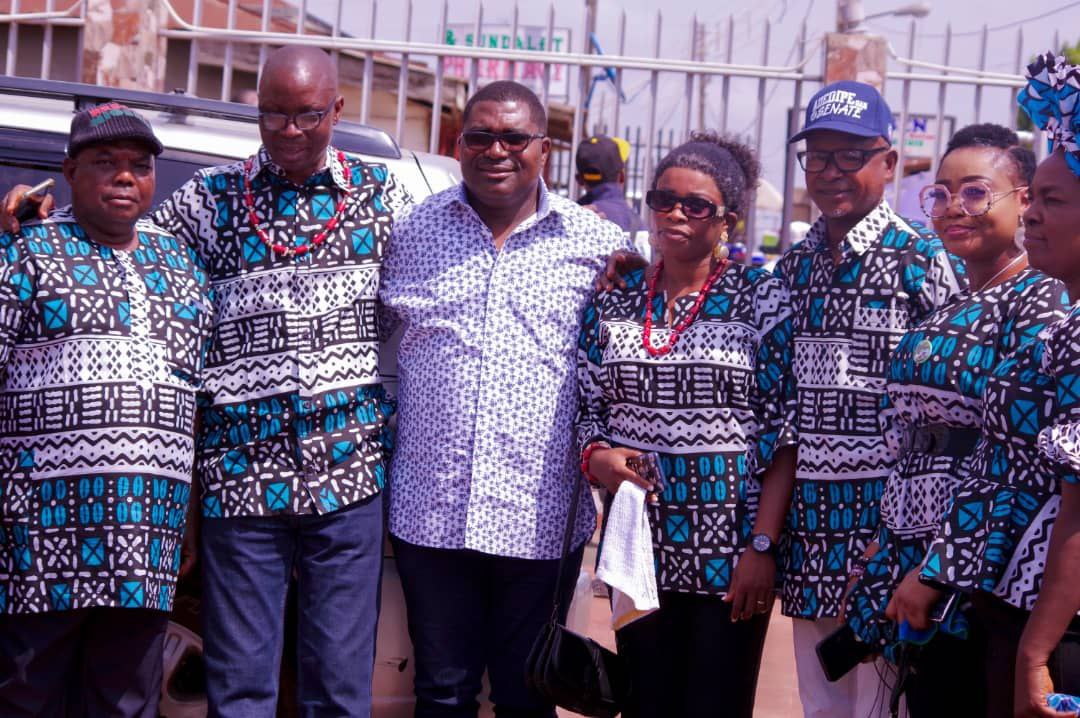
(498, 37)
(922, 133)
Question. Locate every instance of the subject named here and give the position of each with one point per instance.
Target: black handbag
(571, 670)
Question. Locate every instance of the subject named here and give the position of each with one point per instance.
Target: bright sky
(966, 17)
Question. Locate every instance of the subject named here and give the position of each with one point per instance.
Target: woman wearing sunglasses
(691, 360)
(932, 414)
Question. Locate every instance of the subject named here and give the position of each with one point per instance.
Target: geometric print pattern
(848, 318)
(936, 377)
(996, 534)
(485, 457)
(294, 416)
(102, 353)
(716, 409)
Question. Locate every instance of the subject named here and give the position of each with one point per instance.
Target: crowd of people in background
(883, 432)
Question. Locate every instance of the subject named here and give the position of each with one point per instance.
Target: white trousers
(860, 694)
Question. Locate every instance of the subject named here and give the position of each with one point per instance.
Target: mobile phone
(841, 651)
(647, 466)
(943, 608)
(25, 209)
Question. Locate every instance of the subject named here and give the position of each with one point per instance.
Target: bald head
(300, 65)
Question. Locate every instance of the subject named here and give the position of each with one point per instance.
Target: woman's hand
(753, 587)
(1032, 684)
(608, 466)
(912, 602)
(619, 263)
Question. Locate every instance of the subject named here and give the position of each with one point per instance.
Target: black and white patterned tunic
(936, 378)
(848, 319)
(101, 354)
(485, 456)
(716, 408)
(295, 421)
(996, 534)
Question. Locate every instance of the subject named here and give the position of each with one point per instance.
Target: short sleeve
(932, 277)
(773, 397)
(1060, 442)
(190, 214)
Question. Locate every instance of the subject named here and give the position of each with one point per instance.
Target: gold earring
(720, 251)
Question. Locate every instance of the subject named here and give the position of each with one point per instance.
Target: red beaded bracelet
(586, 455)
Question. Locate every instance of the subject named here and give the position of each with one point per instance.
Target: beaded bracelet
(586, 455)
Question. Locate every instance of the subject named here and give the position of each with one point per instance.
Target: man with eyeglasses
(861, 278)
(488, 281)
(291, 456)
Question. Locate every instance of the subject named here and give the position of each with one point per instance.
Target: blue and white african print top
(295, 418)
(936, 378)
(101, 354)
(716, 408)
(486, 458)
(997, 532)
(848, 319)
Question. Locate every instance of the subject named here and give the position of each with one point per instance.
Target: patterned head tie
(1051, 100)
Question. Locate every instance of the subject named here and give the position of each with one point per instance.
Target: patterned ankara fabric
(848, 319)
(100, 360)
(295, 421)
(942, 386)
(486, 457)
(716, 408)
(997, 532)
(1052, 101)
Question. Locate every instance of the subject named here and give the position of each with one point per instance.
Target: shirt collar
(262, 161)
(859, 238)
(544, 205)
(605, 190)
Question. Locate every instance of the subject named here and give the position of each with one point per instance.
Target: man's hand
(1032, 684)
(9, 206)
(620, 262)
(753, 586)
(608, 466)
(912, 602)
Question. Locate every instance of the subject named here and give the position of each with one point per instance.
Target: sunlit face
(1052, 221)
(679, 237)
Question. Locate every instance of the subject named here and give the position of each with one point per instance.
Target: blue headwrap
(1051, 101)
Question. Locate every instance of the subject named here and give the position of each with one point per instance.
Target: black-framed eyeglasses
(849, 160)
(660, 200)
(480, 140)
(309, 120)
(976, 198)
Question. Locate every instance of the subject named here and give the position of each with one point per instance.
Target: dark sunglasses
(479, 140)
(851, 160)
(660, 200)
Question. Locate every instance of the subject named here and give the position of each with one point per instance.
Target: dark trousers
(688, 659)
(948, 677)
(93, 662)
(1004, 624)
(247, 564)
(469, 611)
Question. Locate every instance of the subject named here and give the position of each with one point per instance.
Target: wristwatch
(763, 544)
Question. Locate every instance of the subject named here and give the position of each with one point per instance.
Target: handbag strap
(568, 536)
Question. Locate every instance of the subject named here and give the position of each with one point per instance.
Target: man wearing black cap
(601, 170)
(103, 317)
(862, 277)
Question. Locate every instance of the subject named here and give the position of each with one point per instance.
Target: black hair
(988, 134)
(729, 161)
(509, 91)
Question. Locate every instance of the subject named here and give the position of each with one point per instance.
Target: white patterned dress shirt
(486, 457)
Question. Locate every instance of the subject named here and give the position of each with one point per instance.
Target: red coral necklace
(281, 249)
(646, 336)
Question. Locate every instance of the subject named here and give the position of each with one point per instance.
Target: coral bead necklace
(281, 249)
(646, 336)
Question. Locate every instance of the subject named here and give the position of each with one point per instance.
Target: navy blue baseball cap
(853, 108)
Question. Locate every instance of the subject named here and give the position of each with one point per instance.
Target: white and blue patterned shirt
(486, 458)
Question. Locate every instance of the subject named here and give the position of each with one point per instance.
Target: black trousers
(468, 611)
(948, 677)
(1004, 624)
(87, 663)
(689, 660)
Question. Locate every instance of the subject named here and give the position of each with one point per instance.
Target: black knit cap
(110, 122)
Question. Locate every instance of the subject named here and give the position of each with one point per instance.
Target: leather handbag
(568, 669)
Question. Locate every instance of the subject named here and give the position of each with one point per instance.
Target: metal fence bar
(403, 78)
(227, 67)
(654, 84)
(790, 168)
(12, 41)
(335, 32)
(725, 87)
(1011, 111)
(193, 51)
(943, 88)
(512, 65)
(369, 71)
(619, 72)
(436, 101)
(759, 130)
(982, 66)
(689, 89)
(46, 44)
(301, 16)
(474, 66)
(546, 92)
(265, 25)
(902, 140)
(579, 117)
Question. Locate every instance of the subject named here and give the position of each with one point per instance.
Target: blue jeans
(469, 611)
(247, 564)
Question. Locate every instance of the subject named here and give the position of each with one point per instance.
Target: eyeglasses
(976, 199)
(480, 140)
(851, 160)
(660, 200)
(277, 121)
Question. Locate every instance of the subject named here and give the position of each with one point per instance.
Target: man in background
(601, 170)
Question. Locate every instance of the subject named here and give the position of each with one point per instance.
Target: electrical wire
(970, 33)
